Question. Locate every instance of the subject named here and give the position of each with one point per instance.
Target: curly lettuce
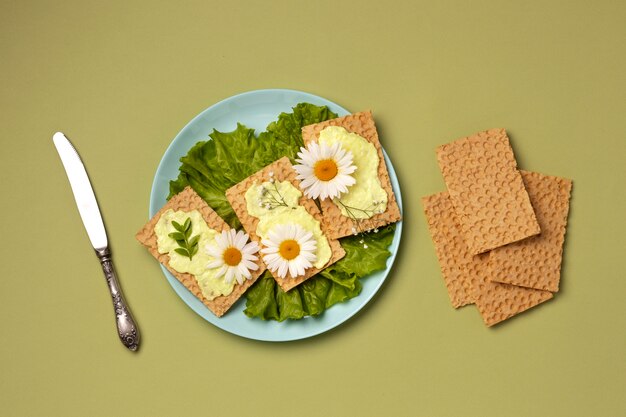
(212, 166)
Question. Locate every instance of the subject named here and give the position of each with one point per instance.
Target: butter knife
(92, 219)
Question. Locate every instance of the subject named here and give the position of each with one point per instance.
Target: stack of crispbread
(498, 231)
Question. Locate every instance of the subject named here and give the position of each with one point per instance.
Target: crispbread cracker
(495, 301)
(535, 262)
(450, 247)
(282, 171)
(362, 124)
(487, 191)
(188, 200)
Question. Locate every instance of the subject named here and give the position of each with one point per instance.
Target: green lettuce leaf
(213, 166)
(261, 298)
(335, 284)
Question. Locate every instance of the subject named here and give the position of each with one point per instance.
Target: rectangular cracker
(282, 171)
(495, 301)
(362, 124)
(535, 262)
(487, 191)
(449, 246)
(188, 200)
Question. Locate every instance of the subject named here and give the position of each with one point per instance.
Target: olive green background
(122, 78)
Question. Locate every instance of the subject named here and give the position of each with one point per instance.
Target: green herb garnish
(188, 245)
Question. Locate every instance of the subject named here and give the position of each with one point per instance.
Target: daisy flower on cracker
(234, 255)
(324, 171)
(289, 248)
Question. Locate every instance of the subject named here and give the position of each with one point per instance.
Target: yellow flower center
(289, 249)
(232, 256)
(325, 169)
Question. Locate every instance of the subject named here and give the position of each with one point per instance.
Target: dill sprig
(369, 211)
(270, 196)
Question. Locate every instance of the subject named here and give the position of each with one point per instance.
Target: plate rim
(184, 294)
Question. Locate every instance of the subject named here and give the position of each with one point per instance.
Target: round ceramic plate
(256, 109)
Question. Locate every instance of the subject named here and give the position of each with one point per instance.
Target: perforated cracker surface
(495, 301)
(535, 262)
(282, 171)
(188, 200)
(450, 247)
(487, 191)
(362, 124)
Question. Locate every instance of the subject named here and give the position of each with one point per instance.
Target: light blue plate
(256, 109)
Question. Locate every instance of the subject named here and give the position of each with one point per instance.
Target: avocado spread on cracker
(276, 203)
(207, 279)
(367, 196)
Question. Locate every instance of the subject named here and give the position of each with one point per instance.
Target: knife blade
(92, 220)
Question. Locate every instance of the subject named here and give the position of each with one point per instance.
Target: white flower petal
(250, 265)
(274, 260)
(304, 235)
(230, 274)
(221, 241)
(251, 247)
(309, 256)
(242, 272)
(248, 257)
(269, 241)
(293, 269)
(225, 235)
(240, 239)
(214, 251)
(222, 271)
(309, 246)
(272, 257)
(237, 240)
(214, 264)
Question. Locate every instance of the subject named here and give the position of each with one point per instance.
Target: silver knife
(92, 219)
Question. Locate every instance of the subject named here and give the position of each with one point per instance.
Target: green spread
(279, 205)
(210, 285)
(367, 197)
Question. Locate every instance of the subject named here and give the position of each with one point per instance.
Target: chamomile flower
(234, 255)
(324, 171)
(289, 248)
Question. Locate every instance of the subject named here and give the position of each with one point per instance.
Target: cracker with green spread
(204, 225)
(369, 201)
(295, 239)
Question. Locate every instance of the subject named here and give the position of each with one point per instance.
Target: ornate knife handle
(126, 327)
